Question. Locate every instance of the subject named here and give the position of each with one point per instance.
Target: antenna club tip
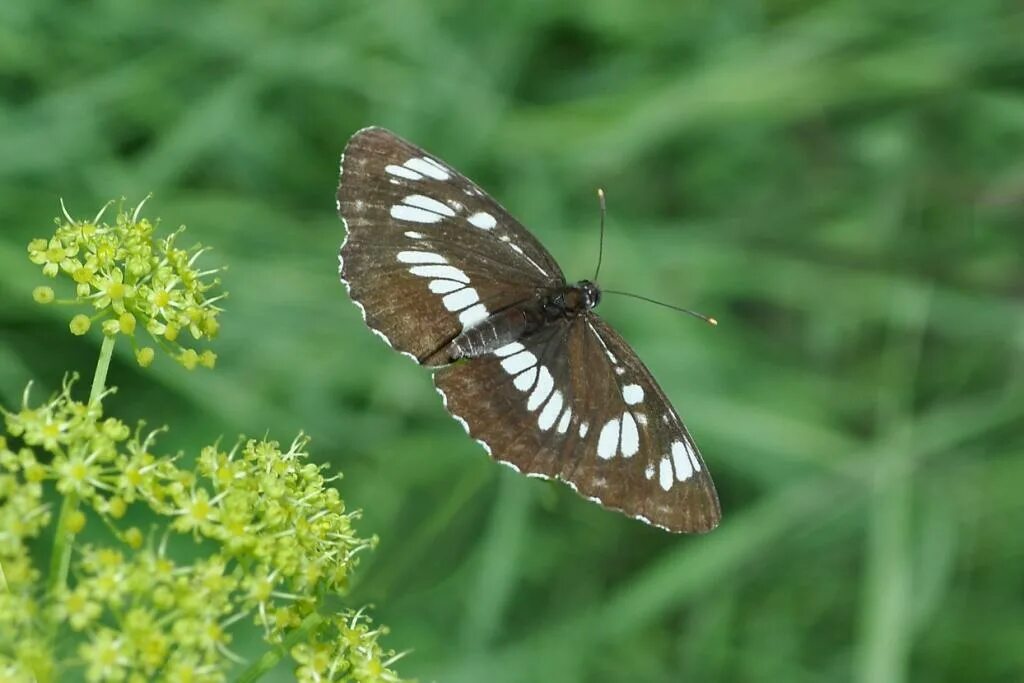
(713, 322)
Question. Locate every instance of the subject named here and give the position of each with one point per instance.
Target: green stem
(272, 658)
(60, 558)
(63, 537)
(99, 380)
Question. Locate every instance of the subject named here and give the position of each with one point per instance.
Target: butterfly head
(583, 296)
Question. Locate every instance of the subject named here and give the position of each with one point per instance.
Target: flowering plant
(250, 535)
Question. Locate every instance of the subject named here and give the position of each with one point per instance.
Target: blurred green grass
(840, 183)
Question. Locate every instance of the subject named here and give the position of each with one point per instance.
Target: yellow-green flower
(112, 290)
(275, 537)
(106, 656)
(79, 608)
(134, 281)
(51, 255)
(144, 356)
(197, 512)
(43, 295)
(80, 324)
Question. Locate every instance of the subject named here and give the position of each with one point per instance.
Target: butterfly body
(445, 275)
(520, 321)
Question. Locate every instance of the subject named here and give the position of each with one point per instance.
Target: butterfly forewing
(575, 403)
(427, 253)
(669, 478)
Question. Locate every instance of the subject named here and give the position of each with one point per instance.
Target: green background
(840, 183)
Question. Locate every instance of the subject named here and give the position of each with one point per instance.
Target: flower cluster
(346, 646)
(275, 538)
(133, 280)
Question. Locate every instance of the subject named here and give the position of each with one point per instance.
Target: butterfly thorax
(572, 300)
(524, 319)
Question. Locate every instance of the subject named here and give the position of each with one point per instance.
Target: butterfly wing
(427, 253)
(574, 402)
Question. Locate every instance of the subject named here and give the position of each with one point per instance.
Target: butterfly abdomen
(501, 328)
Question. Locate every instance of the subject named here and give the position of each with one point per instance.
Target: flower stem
(99, 380)
(60, 558)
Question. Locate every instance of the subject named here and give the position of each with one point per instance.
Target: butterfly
(443, 274)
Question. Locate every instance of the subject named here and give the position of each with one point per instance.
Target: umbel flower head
(267, 536)
(132, 280)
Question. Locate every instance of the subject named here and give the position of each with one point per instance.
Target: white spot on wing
(515, 364)
(548, 416)
(421, 257)
(632, 394)
(563, 424)
(427, 167)
(607, 351)
(694, 460)
(519, 250)
(608, 441)
(584, 428)
(508, 349)
(437, 165)
(630, 438)
(463, 298)
(445, 272)
(411, 213)
(444, 286)
(545, 382)
(414, 235)
(649, 471)
(403, 172)
(483, 220)
(665, 473)
(472, 315)
(681, 460)
(421, 202)
(525, 380)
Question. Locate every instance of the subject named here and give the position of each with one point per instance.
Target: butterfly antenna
(600, 245)
(708, 319)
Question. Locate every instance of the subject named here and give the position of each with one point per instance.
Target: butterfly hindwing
(427, 253)
(574, 402)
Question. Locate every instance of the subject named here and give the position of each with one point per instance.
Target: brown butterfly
(445, 275)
